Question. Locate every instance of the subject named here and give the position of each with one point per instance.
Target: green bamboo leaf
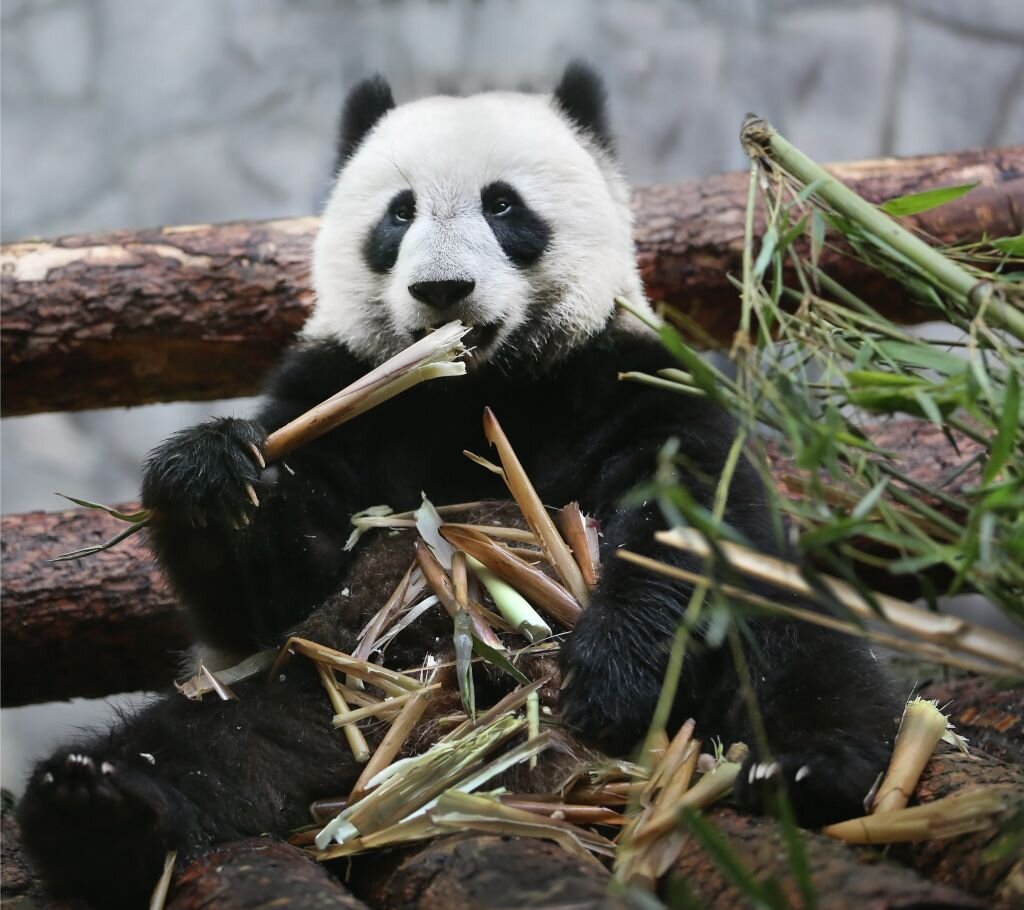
(499, 660)
(870, 500)
(133, 517)
(929, 199)
(1009, 426)
(924, 355)
(1012, 246)
(817, 237)
(99, 548)
(874, 378)
(462, 638)
(767, 249)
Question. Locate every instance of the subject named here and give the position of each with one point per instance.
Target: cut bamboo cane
(356, 740)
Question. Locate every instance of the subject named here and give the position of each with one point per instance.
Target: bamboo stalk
(921, 728)
(356, 740)
(537, 587)
(393, 741)
(352, 716)
(534, 512)
(944, 629)
(428, 358)
(573, 524)
(761, 140)
(441, 585)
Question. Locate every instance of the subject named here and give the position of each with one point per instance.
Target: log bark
(486, 873)
(973, 862)
(201, 312)
(843, 877)
(258, 874)
(108, 624)
(87, 628)
(992, 718)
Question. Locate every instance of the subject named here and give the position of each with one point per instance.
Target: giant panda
(508, 211)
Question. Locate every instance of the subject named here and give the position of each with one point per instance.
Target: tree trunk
(200, 312)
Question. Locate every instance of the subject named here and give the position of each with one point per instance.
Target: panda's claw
(250, 491)
(257, 455)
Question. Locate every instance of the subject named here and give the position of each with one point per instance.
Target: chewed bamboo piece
(581, 535)
(921, 728)
(951, 816)
(356, 740)
(441, 585)
(393, 741)
(391, 682)
(432, 357)
(537, 587)
(534, 512)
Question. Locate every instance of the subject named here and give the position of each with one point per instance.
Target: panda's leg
(99, 816)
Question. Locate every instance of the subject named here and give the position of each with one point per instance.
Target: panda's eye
(403, 213)
(500, 206)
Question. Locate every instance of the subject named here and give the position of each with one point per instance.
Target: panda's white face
(494, 209)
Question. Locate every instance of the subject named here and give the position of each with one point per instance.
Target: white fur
(447, 150)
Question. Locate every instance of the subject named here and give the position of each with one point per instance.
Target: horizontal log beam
(107, 623)
(199, 312)
(88, 628)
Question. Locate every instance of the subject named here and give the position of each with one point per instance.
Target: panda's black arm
(834, 730)
(247, 572)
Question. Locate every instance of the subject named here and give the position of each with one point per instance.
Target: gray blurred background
(132, 113)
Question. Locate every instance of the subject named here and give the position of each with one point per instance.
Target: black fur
(380, 249)
(365, 104)
(521, 232)
(581, 96)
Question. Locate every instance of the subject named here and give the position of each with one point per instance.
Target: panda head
(505, 210)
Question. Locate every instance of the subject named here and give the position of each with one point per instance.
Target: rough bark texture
(842, 877)
(86, 628)
(992, 718)
(200, 312)
(258, 874)
(973, 862)
(489, 873)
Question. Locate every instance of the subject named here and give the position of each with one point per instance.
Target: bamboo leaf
(1009, 427)
(914, 203)
(1012, 246)
(133, 517)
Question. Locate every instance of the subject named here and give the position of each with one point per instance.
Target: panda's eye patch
(521, 232)
(380, 249)
(403, 207)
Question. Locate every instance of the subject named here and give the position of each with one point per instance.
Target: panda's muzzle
(441, 295)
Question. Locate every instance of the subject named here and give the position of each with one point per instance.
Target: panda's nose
(441, 294)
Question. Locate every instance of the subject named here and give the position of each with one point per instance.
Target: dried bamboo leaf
(574, 526)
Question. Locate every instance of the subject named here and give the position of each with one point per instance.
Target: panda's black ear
(581, 97)
(366, 103)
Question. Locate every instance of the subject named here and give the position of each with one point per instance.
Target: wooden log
(470, 872)
(843, 877)
(992, 718)
(258, 874)
(202, 311)
(989, 863)
(107, 623)
(87, 628)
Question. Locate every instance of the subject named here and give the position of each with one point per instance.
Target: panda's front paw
(97, 829)
(213, 473)
(821, 789)
(608, 693)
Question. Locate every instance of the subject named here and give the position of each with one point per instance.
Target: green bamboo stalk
(761, 140)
